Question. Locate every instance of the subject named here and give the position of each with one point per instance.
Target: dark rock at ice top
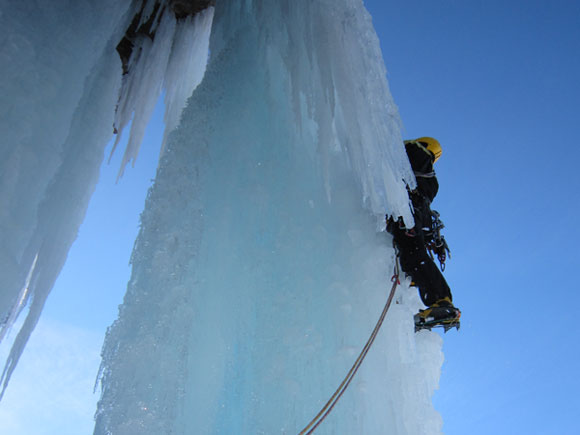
(185, 8)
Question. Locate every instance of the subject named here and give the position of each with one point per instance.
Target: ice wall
(61, 92)
(258, 273)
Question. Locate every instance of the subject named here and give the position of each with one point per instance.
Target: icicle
(143, 86)
(20, 302)
(186, 66)
(176, 59)
(63, 75)
(78, 127)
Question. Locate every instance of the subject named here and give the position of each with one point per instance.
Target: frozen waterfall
(258, 273)
(261, 266)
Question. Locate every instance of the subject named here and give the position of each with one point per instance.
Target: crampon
(438, 317)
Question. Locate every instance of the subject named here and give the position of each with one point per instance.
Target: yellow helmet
(433, 145)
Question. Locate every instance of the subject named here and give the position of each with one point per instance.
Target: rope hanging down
(350, 375)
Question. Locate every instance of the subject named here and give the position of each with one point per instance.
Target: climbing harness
(350, 375)
(431, 174)
(435, 243)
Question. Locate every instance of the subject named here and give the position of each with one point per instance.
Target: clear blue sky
(497, 83)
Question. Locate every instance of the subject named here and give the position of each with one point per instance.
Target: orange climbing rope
(350, 375)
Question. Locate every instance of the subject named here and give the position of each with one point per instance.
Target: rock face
(185, 8)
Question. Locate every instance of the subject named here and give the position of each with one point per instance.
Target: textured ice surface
(257, 274)
(186, 65)
(175, 60)
(59, 85)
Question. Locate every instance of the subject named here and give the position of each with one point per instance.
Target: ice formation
(258, 273)
(175, 59)
(259, 270)
(60, 83)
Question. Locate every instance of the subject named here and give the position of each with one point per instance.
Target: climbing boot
(441, 314)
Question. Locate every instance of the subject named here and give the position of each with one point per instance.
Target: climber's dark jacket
(413, 255)
(421, 161)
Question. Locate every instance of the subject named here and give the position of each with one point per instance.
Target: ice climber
(417, 245)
